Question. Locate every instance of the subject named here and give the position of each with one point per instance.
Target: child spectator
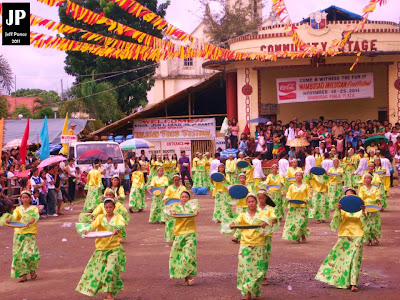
(36, 202)
(276, 140)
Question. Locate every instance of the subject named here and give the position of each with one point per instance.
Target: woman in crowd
(157, 204)
(199, 164)
(137, 193)
(231, 171)
(118, 188)
(168, 168)
(381, 171)
(341, 268)
(318, 157)
(102, 273)
(371, 196)
(335, 174)
(153, 166)
(320, 202)
(173, 191)
(250, 271)
(183, 256)
(93, 186)
(297, 218)
(222, 206)
(144, 167)
(349, 168)
(234, 130)
(276, 194)
(26, 257)
(72, 178)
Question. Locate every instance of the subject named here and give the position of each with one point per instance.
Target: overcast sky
(44, 69)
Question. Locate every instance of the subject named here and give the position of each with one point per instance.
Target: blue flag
(44, 137)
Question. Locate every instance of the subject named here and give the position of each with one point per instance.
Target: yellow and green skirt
(26, 256)
(137, 198)
(92, 198)
(296, 224)
(183, 256)
(156, 210)
(320, 207)
(251, 268)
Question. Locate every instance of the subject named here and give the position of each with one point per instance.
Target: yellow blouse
(194, 164)
(167, 165)
(221, 186)
(157, 181)
(269, 212)
(186, 225)
(275, 180)
(119, 209)
(138, 179)
(243, 202)
(94, 178)
(349, 163)
(24, 216)
(101, 224)
(144, 166)
(369, 196)
(208, 163)
(250, 237)
(199, 164)
(291, 172)
(298, 193)
(319, 183)
(335, 179)
(351, 224)
(174, 192)
(174, 163)
(230, 166)
(318, 159)
(376, 180)
(249, 174)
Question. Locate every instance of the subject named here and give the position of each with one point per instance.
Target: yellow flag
(65, 132)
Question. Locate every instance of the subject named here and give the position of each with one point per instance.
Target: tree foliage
(23, 110)
(228, 22)
(6, 76)
(46, 98)
(131, 95)
(3, 108)
(45, 111)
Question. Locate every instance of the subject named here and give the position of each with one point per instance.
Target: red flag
(24, 143)
(246, 129)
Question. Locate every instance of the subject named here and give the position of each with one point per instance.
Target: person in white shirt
(327, 163)
(310, 162)
(290, 133)
(51, 191)
(258, 173)
(115, 170)
(108, 166)
(363, 164)
(385, 162)
(215, 163)
(283, 163)
(261, 142)
(394, 135)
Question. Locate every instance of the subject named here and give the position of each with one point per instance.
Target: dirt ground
(291, 273)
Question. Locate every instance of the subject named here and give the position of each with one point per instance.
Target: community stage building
(304, 88)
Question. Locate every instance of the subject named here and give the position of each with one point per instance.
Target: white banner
(187, 129)
(68, 139)
(322, 88)
(161, 148)
(220, 143)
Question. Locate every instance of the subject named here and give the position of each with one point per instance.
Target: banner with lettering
(185, 129)
(321, 88)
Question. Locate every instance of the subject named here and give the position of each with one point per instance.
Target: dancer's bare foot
(303, 238)
(247, 297)
(23, 278)
(369, 243)
(265, 281)
(319, 222)
(235, 240)
(297, 242)
(376, 241)
(354, 288)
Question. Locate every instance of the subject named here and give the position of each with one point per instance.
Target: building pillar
(231, 95)
(393, 93)
(247, 91)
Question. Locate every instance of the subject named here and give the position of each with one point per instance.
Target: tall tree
(130, 95)
(224, 22)
(3, 107)
(6, 78)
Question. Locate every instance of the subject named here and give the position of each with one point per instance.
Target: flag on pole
(64, 149)
(44, 137)
(24, 143)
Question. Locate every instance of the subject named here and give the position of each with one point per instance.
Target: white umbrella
(13, 144)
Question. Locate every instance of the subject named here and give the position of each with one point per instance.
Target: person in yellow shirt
(251, 251)
(199, 164)
(318, 157)
(341, 268)
(157, 203)
(249, 171)
(168, 168)
(276, 194)
(153, 166)
(270, 213)
(291, 172)
(195, 161)
(297, 218)
(381, 172)
(240, 157)
(231, 171)
(137, 192)
(93, 186)
(349, 168)
(335, 193)
(26, 256)
(208, 158)
(241, 205)
(183, 256)
(172, 192)
(320, 202)
(118, 188)
(102, 273)
(371, 196)
(222, 206)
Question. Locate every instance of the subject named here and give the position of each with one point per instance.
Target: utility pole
(62, 91)
(15, 91)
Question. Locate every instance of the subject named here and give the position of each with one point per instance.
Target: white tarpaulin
(184, 129)
(322, 88)
(14, 129)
